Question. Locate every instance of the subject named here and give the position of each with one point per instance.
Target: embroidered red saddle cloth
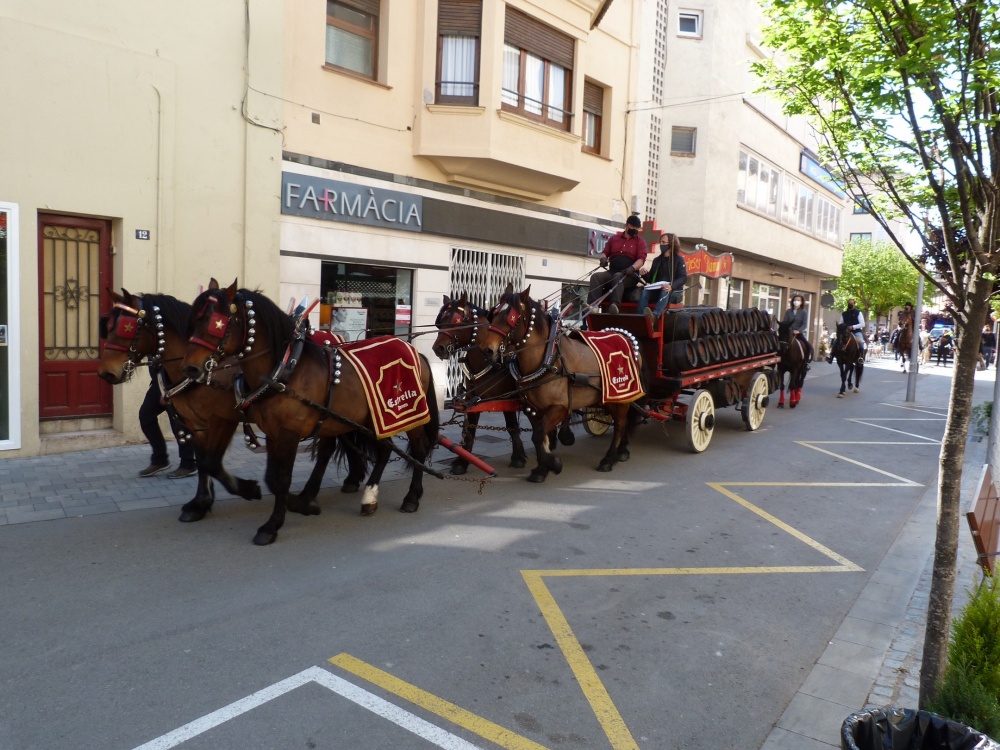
(620, 381)
(390, 371)
(326, 338)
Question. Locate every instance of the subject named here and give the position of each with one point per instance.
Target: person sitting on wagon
(625, 253)
(855, 322)
(668, 269)
(796, 318)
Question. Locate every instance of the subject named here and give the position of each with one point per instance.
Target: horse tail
(433, 427)
(357, 445)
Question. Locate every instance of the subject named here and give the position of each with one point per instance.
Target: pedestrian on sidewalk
(152, 407)
(925, 346)
(988, 347)
(944, 348)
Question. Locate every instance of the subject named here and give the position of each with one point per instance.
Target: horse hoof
(369, 509)
(792, 406)
(459, 467)
(518, 463)
(566, 437)
(409, 506)
(555, 465)
(295, 505)
(857, 390)
(624, 455)
(840, 395)
(537, 477)
(190, 516)
(781, 406)
(605, 465)
(264, 538)
(349, 488)
(249, 489)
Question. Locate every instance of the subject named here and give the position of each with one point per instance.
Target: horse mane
(174, 312)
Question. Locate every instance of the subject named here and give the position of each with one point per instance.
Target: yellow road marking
(438, 706)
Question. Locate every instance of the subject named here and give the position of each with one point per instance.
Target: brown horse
(793, 362)
(294, 389)
(153, 327)
(556, 374)
(850, 359)
(905, 339)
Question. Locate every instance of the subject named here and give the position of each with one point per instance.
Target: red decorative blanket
(323, 337)
(620, 381)
(390, 370)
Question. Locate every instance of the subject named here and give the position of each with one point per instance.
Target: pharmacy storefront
(10, 369)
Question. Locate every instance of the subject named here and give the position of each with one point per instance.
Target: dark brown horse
(153, 328)
(850, 359)
(793, 362)
(294, 390)
(557, 374)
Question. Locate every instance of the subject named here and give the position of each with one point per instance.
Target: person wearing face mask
(855, 322)
(795, 317)
(625, 253)
(668, 269)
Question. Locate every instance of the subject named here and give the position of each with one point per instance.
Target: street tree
(877, 276)
(905, 96)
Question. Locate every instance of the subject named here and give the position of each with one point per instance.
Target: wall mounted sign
(332, 200)
(703, 263)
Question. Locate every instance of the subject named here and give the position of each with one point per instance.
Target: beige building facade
(142, 148)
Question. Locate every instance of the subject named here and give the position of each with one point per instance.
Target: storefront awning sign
(703, 263)
(319, 198)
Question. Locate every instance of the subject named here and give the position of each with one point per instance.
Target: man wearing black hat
(625, 254)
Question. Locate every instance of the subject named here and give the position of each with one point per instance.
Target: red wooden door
(74, 270)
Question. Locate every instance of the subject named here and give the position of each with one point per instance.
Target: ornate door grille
(483, 276)
(71, 293)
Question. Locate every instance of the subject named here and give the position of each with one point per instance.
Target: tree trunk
(935, 656)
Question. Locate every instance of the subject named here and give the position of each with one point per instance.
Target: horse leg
(305, 501)
(518, 458)
(619, 442)
(543, 438)
(460, 465)
(843, 380)
(566, 436)
(369, 500)
(281, 450)
(419, 448)
(210, 446)
(198, 507)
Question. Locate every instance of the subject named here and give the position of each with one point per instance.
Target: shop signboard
(333, 200)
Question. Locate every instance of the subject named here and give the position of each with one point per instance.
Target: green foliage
(877, 275)
(970, 692)
(981, 417)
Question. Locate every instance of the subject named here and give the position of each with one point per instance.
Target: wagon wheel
(596, 421)
(755, 404)
(700, 421)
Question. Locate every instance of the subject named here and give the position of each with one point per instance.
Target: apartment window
(593, 115)
(352, 35)
(689, 23)
(459, 24)
(861, 206)
(537, 70)
(861, 236)
(682, 141)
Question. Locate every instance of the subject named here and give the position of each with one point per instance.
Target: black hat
(633, 221)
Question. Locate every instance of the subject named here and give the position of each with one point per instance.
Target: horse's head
(784, 335)
(130, 332)
(458, 325)
(511, 323)
(221, 326)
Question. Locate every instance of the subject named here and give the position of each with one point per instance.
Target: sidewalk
(875, 656)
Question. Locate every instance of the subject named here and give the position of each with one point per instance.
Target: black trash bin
(906, 729)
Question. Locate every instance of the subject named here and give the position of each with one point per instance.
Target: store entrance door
(74, 269)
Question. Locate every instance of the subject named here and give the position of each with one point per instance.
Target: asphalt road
(677, 602)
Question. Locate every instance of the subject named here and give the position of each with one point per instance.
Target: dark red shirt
(633, 248)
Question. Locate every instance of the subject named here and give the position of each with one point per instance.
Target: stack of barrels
(696, 337)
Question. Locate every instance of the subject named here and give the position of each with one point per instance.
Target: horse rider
(855, 322)
(796, 318)
(669, 269)
(625, 253)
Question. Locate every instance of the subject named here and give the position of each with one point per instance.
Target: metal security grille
(482, 276)
(71, 293)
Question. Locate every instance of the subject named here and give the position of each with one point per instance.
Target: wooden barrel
(765, 320)
(733, 345)
(679, 325)
(715, 350)
(704, 358)
(680, 355)
(722, 342)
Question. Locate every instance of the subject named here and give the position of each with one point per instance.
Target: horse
(556, 374)
(849, 358)
(905, 339)
(153, 327)
(793, 362)
(294, 389)
(459, 325)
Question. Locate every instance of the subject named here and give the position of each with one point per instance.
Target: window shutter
(532, 35)
(682, 140)
(460, 17)
(593, 98)
(366, 6)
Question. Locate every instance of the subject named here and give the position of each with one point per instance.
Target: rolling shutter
(593, 98)
(529, 34)
(460, 17)
(365, 6)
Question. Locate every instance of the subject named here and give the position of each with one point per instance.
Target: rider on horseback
(797, 319)
(855, 322)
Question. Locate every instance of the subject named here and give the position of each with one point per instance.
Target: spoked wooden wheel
(755, 404)
(596, 421)
(699, 424)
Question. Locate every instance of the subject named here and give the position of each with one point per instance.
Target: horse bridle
(219, 325)
(127, 324)
(513, 318)
(459, 322)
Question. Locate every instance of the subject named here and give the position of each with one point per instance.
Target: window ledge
(455, 109)
(356, 76)
(537, 126)
(596, 155)
(683, 154)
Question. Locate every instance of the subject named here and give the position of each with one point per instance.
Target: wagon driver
(855, 322)
(625, 253)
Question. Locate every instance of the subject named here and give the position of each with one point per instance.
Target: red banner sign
(703, 263)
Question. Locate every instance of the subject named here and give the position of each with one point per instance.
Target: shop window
(352, 36)
(363, 301)
(767, 297)
(735, 296)
(537, 70)
(459, 23)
